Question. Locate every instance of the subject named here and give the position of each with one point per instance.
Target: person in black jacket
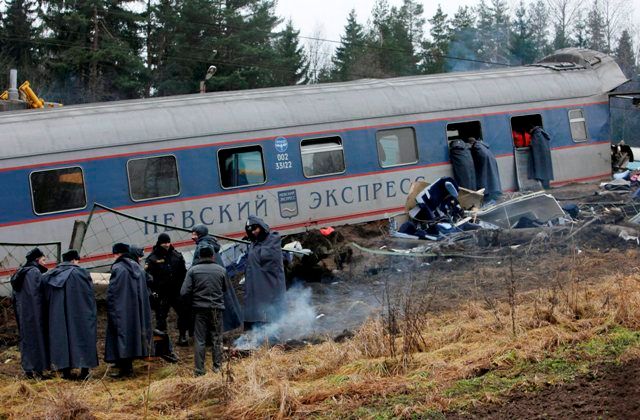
(73, 316)
(200, 235)
(30, 310)
(168, 269)
(204, 289)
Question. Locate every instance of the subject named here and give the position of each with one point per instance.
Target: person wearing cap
(264, 275)
(31, 315)
(72, 314)
(129, 333)
(200, 235)
(203, 289)
(168, 269)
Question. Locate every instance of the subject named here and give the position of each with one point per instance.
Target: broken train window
(464, 131)
(521, 126)
(241, 166)
(397, 147)
(322, 156)
(57, 190)
(578, 125)
(154, 177)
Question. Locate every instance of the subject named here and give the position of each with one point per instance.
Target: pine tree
(625, 56)
(484, 38)
(350, 50)
(493, 31)
(539, 18)
(93, 50)
(500, 12)
(290, 62)
(580, 35)
(462, 40)
(522, 45)
(184, 42)
(435, 51)
(393, 36)
(246, 57)
(595, 26)
(161, 29)
(20, 39)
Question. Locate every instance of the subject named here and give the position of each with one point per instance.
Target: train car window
(322, 156)
(520, 127)
(241, 166)
(578, 125)
(58, 190)
(155, 177)
(397, 147)
(464, 130)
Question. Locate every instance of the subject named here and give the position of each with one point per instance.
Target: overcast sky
(330, 16)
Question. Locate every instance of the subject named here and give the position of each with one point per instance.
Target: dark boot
(84, 374)
(125, 369)
(66, 374)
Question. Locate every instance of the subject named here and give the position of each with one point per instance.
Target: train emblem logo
(288, 200)
(281, 145)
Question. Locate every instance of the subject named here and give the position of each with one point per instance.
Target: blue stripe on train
(106, 179)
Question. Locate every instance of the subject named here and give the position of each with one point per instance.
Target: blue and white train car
(297, 156)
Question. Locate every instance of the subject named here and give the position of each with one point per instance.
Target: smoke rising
(296, 322)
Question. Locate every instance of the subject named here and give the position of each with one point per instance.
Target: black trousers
(208, 324)
(165, 303)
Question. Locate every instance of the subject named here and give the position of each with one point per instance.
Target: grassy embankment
(410, 364)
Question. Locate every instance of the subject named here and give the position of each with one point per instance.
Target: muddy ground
(349, 284)
(609, 391)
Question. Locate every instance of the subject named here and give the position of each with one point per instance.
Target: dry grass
(424, 355)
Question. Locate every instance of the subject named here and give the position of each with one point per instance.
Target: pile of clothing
(436, 211)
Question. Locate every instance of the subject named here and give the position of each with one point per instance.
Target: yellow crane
(30, 97)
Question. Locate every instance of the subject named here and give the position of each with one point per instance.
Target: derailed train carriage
(300, 156)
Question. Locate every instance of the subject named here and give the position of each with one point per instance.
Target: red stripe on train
(291, 184)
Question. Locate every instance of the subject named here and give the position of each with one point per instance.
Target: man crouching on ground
(203, 289)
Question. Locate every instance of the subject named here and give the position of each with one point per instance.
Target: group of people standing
(57, 315)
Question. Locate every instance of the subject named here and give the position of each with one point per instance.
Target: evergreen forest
(78, 51)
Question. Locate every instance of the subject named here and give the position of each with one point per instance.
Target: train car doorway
(520, 127)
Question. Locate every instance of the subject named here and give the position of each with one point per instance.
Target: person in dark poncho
(462, 162)
(540, 164)
(72, 317)
(265, 285)
(167, 268)
(30, 312)
(200, 235)
(486, 166)
(129, 333)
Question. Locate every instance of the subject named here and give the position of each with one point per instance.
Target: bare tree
(615, 14)
(318, 54)
(563, 13)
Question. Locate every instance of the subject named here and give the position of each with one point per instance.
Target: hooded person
(264, 275)
(30, 310)
(129, 332)
(540, 164)
(486, 168)
(200, 235)
(72, 311)
(168, 269)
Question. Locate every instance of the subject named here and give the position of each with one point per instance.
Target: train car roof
(567, 74)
